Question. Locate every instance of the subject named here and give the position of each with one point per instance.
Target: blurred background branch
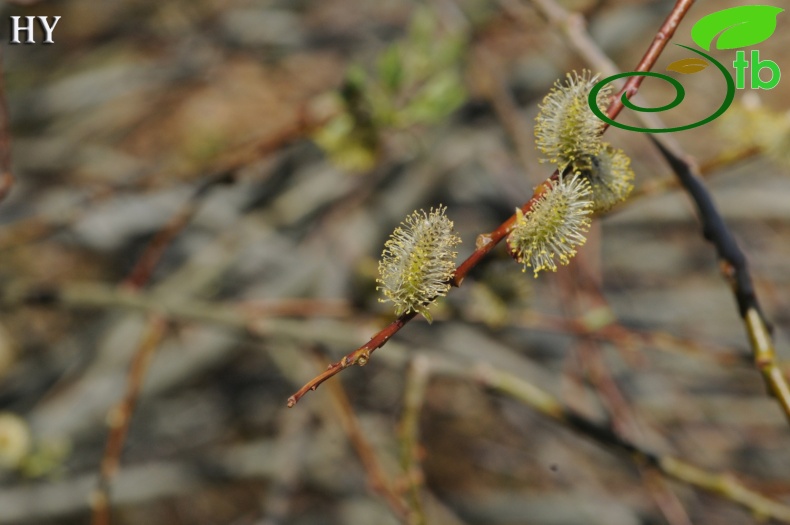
(231, 170)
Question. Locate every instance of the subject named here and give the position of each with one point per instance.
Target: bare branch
(724, 485)
(120, 418)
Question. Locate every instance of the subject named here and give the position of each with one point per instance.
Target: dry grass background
(139, 102)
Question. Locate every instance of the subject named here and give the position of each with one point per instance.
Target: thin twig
(416, 386)
(506, 108)
(706, 169)
(376, 476)
(721, 484)
(601, 324)
(146, 264)
(486, 242)
(733, 262)
(660, 41)
(359, 356)
(734, 267)
(6, 174)
(120, 418)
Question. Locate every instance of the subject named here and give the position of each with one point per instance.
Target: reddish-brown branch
(655, 49)
(487, 241)
(295, 307)
(146, 264)
(6, 175)
(359, 356)
(120, 417)
(377, 477)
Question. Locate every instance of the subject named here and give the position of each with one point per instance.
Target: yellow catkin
(566, 129)
(555, 225)
(418, 261)
(611, 178)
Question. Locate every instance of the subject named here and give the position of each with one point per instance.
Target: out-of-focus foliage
(15, 441)
(416, 81)
(748, 123)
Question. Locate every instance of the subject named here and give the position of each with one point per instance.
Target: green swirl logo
(680, 94)
(732, 28)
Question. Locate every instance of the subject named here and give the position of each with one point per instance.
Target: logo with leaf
(736, 27)
(732, 28)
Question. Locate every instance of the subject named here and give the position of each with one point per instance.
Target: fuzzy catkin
(555, 225)
(418, 262)
(566, 129)
(611, 178)
(748, 123)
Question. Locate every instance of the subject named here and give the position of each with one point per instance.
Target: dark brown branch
(735, 269)
(714, 230)
(734, 265)
(722, 484)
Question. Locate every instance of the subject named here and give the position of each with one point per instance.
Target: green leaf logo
(738, 26)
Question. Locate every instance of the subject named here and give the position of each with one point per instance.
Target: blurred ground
(138, 104)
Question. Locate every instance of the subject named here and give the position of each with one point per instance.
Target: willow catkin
(566, 129)
(554, 226)
(418, 262)
(611, 178)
